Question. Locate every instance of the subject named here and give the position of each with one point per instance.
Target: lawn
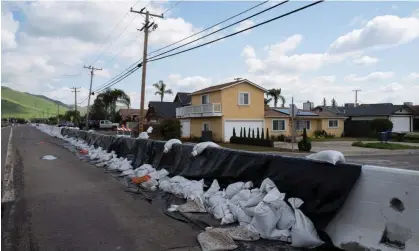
(343, 139)
(389, 146)
(254, 148)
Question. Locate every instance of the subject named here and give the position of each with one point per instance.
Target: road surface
(410, 161)
(66, 204)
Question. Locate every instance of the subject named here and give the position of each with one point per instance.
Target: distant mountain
(25, 105)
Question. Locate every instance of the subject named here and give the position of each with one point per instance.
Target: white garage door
(186, 128)
(401, 124)
(237, 124)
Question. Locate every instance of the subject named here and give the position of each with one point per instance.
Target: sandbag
(150, 129)
(168, 145)
(241, 196)
(143, 135)
(303, 233)
(216, 241)
(265, 217)
(200, 147)
(250, 205)
(267, 185)
(129, 172)
(328, 156)
(239, 214)
(239, 233)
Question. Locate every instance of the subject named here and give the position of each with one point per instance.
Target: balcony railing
(207, 110)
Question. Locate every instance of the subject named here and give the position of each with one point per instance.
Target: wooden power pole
(74, 89)
(92, 73)
(356, 97)
(146, 29)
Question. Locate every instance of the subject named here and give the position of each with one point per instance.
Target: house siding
(214, 97)
(216, 126)
(336, 131)
(232, 110)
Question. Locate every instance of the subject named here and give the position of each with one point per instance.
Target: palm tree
(276, 95)
(334, 103)
(110, 98)
(267, 100)
(324, 102)
(161, 89)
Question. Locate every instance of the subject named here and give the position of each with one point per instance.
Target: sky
(325, 51)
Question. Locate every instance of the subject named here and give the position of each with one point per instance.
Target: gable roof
(383, 109)
(131, 112)
(163, 109)
(184, 98)
(227, 85)
(285, 112)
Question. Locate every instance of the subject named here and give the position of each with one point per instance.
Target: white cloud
(393, 87)
(413, 76)
(9, 28)
(358, 20)
(365, 61)
(244, 25)
(374, 76)
(379, 32)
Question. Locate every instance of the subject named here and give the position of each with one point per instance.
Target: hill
(52, 100)
(24, 105)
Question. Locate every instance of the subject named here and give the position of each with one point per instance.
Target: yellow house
(238, 104)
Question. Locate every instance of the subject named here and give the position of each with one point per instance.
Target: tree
(253, 133)
(257, 133)
(244, 132)
(276, 95)
(72, 115)
(267, 100)
(234, 132)
(267, 133)
(334, 103)
(262, 136)
(104, 106)
(241, 132)
(324, 102)
(161, 89)
(249, 133)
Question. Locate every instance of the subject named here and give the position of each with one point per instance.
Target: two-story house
(240, 103)
(221, 108)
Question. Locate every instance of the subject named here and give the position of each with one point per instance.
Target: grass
(343, 139)
(253, 148)
(24, 105)
(379, 145)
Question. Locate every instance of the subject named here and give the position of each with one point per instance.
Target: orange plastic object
(84, 151)
(139, 180)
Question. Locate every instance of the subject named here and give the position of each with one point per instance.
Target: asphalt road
(67, 204)
(410, 161)
(5, 131)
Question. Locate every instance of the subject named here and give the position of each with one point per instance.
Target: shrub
(262, 136)
(171, 129)
(244, 132)
(281, 137)
(249, 133)
(241, 132)
(273, 138)
(253, 133)
(257, 133)
(234, 132)
(267, 133)
(305, 144)
(358, 143)
(252, 141)
(381, 125)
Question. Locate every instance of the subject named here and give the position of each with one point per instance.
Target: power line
(197, 33)
(174, 5)
(238, 32)
(115, 81)
(212, 26)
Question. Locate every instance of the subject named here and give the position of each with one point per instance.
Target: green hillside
(23, 105)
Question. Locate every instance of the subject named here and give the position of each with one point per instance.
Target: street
(410, 161)
(66, 204)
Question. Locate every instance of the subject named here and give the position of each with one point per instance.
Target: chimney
(408, 103)
(308, 106)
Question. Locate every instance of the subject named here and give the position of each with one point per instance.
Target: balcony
(207, 110)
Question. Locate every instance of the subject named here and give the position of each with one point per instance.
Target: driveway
(347, 149)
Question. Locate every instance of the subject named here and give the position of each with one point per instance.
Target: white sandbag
(248, 185)
(214, 205)
(233, 189)
(128, 172)
(216, 241)
(267, 185)
(143, 135)
(250, 205)
(265, 217)
(161, 174)
(277, 203)
(239, 233)
(150, 130)
(303, 233)
(215, 187)
(192, 206)
(280, 235)
(200, 147)
(125, 165)
(150, 184)
(239, 214)
(168, 145)
(241, 196)
(328, 156)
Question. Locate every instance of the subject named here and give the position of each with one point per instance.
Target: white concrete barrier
(381, 212)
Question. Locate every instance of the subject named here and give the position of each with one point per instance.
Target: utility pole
(58, 114)
(74, 89)
(92, 73)
(356, 96)
(146, 28)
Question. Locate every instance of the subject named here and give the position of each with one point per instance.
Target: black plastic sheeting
(323, 187)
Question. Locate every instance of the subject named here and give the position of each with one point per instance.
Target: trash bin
(384, 136)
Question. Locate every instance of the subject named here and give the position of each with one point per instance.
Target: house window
(278, 125)
(206, 126)
(333, 123)
(205, 99)
(244, 98)
(303, 124)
